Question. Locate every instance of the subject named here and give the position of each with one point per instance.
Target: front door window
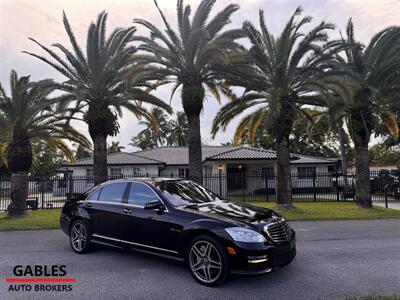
(140, 194)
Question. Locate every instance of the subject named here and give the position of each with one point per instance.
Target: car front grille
(279, 232)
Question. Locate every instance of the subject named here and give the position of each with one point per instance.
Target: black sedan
(182, 220)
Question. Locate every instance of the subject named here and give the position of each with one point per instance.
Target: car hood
(234, 212)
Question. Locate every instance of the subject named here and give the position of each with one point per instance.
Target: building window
(268, 172)
(333, 169)
(115, 173)
(137, 172)
(89, 175)
(306, 172)
(183, 172)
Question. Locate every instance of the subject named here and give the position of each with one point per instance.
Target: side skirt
(126, 245)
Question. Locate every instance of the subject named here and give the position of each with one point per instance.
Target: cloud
(42, 20)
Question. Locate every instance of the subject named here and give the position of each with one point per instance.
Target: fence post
(314, 189)
(71, 186)
(243, 185)
(42, 191)
(220, 181)
(266, 188)
(386, 198)
(337, 187)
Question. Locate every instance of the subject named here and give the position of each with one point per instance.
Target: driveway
(335, 259)
(392, 205)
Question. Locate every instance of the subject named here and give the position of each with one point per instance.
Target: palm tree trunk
(343, 156)
(99, 157)
(19, 161)
(192, 102)
(283, 179)
(363, 183)
(360, 127)
(19, 194)
(195, 151)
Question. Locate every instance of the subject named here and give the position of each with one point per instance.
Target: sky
(42, 20)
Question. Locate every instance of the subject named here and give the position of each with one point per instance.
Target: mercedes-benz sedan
(182, 220)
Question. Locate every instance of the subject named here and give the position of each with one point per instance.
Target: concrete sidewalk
(392, 205)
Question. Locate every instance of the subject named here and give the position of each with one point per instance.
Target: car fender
(199, 227)
(79, 213)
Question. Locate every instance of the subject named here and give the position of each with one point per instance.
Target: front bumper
(257, 259)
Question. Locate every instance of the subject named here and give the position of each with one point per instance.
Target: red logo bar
(33, 279)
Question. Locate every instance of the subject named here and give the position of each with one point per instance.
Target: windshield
(186, 192)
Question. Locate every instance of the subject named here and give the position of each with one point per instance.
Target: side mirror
(78, 196)
(155, 205)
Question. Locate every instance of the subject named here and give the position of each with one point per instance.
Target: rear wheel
(207, 260)
(79, 236)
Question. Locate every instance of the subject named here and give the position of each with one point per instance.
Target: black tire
(83, 245)
(208, 265)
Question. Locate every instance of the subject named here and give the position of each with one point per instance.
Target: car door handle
(88, 204)
(127, 211)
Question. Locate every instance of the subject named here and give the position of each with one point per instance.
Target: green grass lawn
(324, 197)
(49, 218)
(38, 219)
(332, 211)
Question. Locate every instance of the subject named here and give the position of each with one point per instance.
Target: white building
(241, 168)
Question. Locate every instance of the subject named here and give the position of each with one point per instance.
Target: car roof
(150, 180)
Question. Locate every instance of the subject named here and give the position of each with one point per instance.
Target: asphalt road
(336, 259)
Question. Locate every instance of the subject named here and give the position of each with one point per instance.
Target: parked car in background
(340, 180)
(384, 179)
(181, 220)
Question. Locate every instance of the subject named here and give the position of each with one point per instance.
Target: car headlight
(245, 235)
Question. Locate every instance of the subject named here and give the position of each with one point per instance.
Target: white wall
(324, 179)
(81, 185)
(144, 170)
(255, 182)
(211, 171)
(170, 171)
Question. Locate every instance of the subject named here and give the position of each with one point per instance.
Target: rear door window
(113, 192)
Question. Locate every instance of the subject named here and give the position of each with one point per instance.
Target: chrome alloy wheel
(205, 261)
(78, 237)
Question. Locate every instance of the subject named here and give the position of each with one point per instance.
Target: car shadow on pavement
(152, 264)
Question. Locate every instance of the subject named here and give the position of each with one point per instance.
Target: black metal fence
(314, 187)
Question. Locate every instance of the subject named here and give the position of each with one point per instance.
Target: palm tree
(28, 116)
(82, 152)
(178, 134)
(310, 136)
(97, 83)
(373, 73)
(189, 59)
(333, 121)
(4, 136)
(281, 75)
(156, 129)
(115, 147)
(143, 141)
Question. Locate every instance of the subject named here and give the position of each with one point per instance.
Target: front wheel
(79, 236)
(207, 260)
